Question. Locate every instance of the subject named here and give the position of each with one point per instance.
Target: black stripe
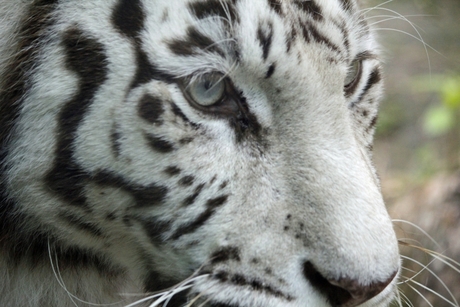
(265, 37)
(225, 254)
(245, 124)
(346, 4)
(178, 112)
(191, 199)
(158, 144)
(151, 108)
(128, 17)
(34, 249)
(311, 8)
(115, 140)
(187, 181)
(81, 223)
(290, 38)
(14, 86)
(255, 284)
(155, 229)
(270, 71)
(86, 57)
(144, 195)
(372, 123)
(146, 71)
(276, 6)
(312, 32)
(173, 170)
(203, 9)
(374, 78)
(211, 206)
(193, 43)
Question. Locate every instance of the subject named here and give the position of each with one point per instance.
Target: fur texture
(117, 180)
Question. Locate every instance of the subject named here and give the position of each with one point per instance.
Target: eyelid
(365, 55)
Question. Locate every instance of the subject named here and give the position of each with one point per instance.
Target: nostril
(343, 292)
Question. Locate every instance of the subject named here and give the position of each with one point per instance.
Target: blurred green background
(417, 142)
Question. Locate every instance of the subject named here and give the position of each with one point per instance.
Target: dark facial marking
(194, 43)
(154, 282)
(146, 71)
(13, 89)
(225, 254)
(211, 207)
(151, 108)
(372, 123)
(203, 9)
(81, 223)
(374, 78)
(128, 17)
(187, 181)
(311, 8)
(172, 170)
(310, 32)
(245, 124)
(223, 185)
(191, 199)
(144, 195)
(155, 229)
(158, 144)
(115, 140)
(178, 112)
(270, 71)
(346, 4)
(186, 140)
(85, 57)
(265, 37)
(276, 6)
(35, 246)
(255, 284)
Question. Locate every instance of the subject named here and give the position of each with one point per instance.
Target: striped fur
(117, 183)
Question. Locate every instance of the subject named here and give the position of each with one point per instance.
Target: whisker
(444, 259)
(367, 10)
(419, 229)
(433, 274)
(405, 299)
(419, 37)
(60, 280)
(455, 304)
(391, 17)
(420, 294)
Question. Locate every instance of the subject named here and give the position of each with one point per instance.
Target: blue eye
(353, 74)
(207, 90)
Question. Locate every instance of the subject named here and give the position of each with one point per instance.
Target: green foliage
(443, 117)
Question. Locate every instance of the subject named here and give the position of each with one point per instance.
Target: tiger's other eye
(207, 90)
(353, 74)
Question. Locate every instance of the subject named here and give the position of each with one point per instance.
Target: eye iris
(353, 73)
(207, 90)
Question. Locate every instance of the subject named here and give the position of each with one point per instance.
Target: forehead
(214, 29)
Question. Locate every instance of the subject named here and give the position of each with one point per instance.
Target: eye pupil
(207, 90)
(207, 85)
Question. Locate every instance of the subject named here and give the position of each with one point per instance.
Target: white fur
(315, 167)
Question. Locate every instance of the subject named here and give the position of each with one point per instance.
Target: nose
(344, 292)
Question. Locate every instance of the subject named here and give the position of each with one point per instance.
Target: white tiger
(146, 141)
